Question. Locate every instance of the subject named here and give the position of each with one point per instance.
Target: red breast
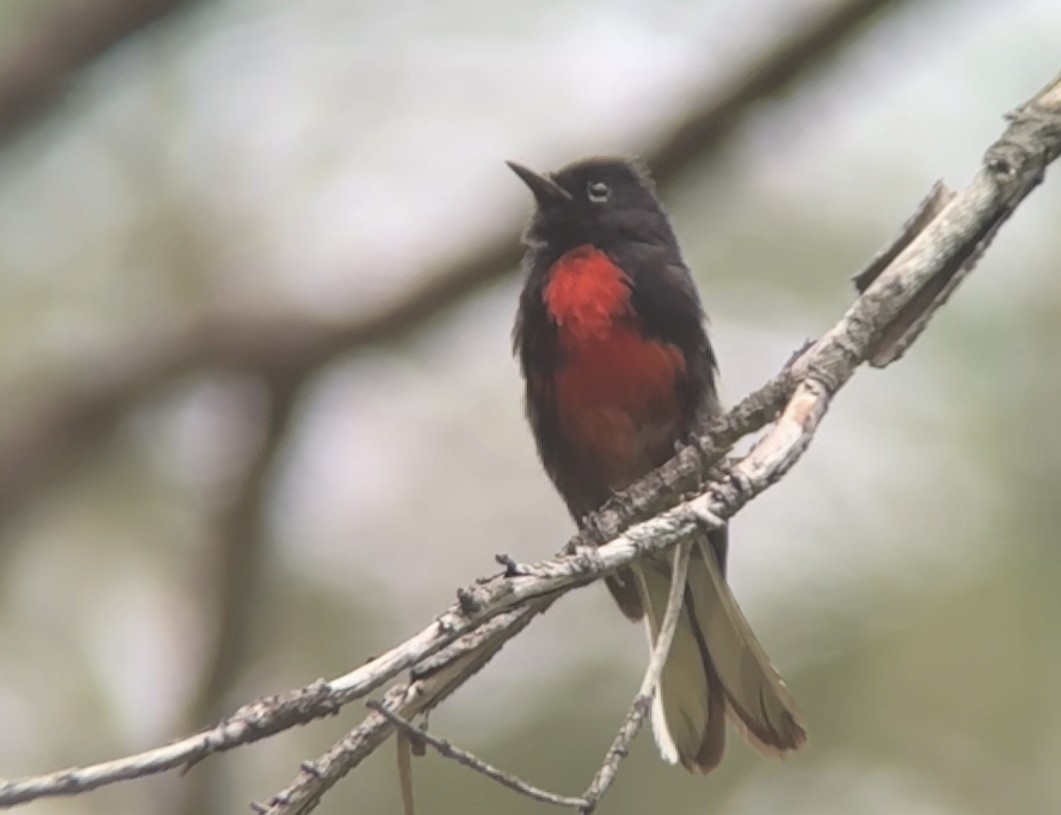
(615, 389)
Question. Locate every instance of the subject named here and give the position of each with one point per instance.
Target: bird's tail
(716, 667)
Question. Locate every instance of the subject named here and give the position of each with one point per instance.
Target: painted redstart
(619, 370)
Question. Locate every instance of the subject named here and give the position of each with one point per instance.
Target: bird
(619, 372)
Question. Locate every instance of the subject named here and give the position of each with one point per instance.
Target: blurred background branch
(36, 73)
(241, 563)
(35, 450)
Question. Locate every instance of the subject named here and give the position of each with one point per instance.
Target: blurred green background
(218, 535)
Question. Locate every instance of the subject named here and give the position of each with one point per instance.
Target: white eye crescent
(597, 192)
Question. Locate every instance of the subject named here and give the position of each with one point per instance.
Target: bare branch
(34, 75)
(643, 700)
(466, 759)
(493, 611)
(408, 699)
(62, 429)
(916, 314)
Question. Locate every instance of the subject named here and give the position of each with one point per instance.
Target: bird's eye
(598, 192)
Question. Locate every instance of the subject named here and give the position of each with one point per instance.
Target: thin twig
(649, 685)
(471, 761)
(404, 749)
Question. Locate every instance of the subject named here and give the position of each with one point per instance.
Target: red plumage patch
(586, 294)
(615, 391)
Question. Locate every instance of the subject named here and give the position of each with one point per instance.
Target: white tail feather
(678, 726)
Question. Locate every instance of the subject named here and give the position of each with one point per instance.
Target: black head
(598, 201)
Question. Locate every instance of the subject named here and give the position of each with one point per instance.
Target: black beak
(546, 191)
